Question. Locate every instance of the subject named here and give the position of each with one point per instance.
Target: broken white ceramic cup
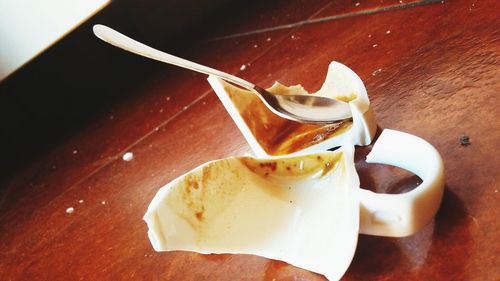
(270, 135)
(305, 210)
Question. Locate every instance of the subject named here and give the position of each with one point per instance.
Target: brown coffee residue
(201, 196)
(269, 165)
(276, 135)
(295, 166)
(199, 215)
(192, 196)
(192, 182)
(327, 167)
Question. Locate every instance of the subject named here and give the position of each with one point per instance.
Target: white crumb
(103, 202)
(128, 156)
(243, 67)
(374, 45)
(474, 220)
(376, 71)
(80, 201)
(70, 210)
(388, 31)
(268, 39)
(357, 4)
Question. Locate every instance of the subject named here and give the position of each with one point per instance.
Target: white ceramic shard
(302, 210)
(271, 135)
(306, 210)
(399, 215)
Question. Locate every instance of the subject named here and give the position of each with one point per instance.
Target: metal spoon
(300, 108)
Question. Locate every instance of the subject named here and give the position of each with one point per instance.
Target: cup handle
(398, 215)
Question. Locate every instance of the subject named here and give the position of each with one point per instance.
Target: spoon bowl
(300, 108)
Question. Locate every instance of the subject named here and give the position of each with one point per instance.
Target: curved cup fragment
(302, 210)
(271, 135)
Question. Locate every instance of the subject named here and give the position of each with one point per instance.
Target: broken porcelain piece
(271, 135)
(305, 209)
(400, 215)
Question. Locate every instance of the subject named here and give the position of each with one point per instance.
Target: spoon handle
(117, 39)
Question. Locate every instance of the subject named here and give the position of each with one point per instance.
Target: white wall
(27, 27)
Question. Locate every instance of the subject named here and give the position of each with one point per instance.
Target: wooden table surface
(431, 68)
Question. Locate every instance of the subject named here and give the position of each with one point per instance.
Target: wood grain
(435, 75)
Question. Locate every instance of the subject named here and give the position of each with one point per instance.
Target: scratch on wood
(330, 18)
